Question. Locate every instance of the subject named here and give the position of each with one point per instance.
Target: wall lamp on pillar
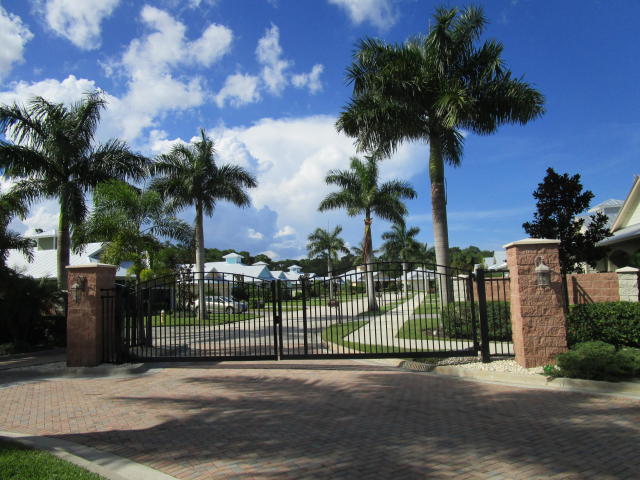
(78, 287)
(543, 273)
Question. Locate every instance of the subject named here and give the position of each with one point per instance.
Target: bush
(32, 312)
(617, 323)
(598, 361)
(457, 320)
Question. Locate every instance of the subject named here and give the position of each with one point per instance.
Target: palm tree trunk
(330, 273)
(63, 245)
(200, 261)
(439, 215)
(367, 249)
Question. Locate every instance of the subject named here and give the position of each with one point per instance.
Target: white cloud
(149, 62)
(379, 13)
(285, 231)
(44, 216)
(158, 142)
(271, 254)
(238, 89)
(67, 91)
(13, 36)
(78, 20)
(254, 235)
(310, 80)
(274, 67)
(291, 158)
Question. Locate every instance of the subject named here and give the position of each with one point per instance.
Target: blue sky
(265, 78)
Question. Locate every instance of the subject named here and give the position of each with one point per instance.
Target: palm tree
(54, 155)
(327, 245)
(358, 254)
(10, 240)
(400, 244)
(360, 193)
(130, 220)
(188, 175)
(431, 88)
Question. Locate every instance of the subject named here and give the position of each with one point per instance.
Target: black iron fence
(375, 310)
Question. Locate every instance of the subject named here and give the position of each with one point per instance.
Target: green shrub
(617, 323)
(598, 361)
(456, 318)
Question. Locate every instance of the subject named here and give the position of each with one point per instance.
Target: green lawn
(415, 328)
(186, 319)
(20, 463)
(336, 333)
(382, 309)
(426, 305)
(288, 305)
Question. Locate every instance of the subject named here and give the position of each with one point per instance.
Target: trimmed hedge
(597, 361)
(617, 323)
(456, 319)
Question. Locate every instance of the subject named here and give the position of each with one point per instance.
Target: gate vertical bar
(474, 317)
(274, 312)
(484, 324)
(304, 315)
(280, 339)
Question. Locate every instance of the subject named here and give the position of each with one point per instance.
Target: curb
(625, 389)
(110, 466)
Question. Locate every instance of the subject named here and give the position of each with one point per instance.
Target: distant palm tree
(358, 254)
(188, 175)
(400, 244)
(431, 88)
(361, 194)
(53, 155)
(130, 221)
(327, 245)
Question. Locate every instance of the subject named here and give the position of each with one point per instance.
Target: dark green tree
(430, 89)
(559, 201)
(53, 154)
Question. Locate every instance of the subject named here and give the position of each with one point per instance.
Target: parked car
(222, 304)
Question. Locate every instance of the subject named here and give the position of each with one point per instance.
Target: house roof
(611, 203)
(627, 233)
(260, 263)
(45, 262)
(629, 207)
(253, 271)
(232, 255)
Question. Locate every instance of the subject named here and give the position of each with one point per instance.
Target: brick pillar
(84, 317)
(537, 315)
(628, 284)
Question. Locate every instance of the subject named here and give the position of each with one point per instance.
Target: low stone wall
(593, 288)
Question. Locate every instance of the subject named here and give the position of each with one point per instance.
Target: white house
(45, 261)
(233, 269)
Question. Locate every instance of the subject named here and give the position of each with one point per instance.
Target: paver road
(332, 419)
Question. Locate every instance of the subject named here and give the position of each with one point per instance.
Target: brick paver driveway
(334, 419)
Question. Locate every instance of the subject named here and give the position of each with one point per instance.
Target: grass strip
(171, 320)
(21, 463)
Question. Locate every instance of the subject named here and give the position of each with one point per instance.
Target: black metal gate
(372, 311)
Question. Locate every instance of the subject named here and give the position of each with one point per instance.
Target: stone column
(628, 284)
(537, 315)
(84, 314)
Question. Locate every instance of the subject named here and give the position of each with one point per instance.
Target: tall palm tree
(54, 155)
(358, 253)
(431, 88)
(400, 244)
(361, 193)
(327, 245)
(130, 220)
(188, 175)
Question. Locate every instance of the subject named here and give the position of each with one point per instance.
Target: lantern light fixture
(543, 273)
(78, 287)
